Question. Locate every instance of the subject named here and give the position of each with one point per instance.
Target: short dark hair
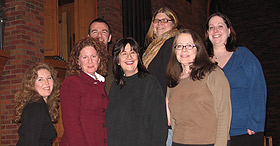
(100, 20)
(117, 70)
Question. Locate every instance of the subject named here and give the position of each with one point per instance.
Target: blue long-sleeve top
(248, 92)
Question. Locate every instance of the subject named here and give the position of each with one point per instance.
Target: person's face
(185, 49)
(218, 32)
(160, 27)
(44, 83)
(128, 61)
(100, 31)
(89, 60)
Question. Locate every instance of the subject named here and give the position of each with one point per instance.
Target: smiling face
(185, 56)
(100, 31)
(44, 83)
(128, 61)
(218, 32)
(89, 60)
(160, 27)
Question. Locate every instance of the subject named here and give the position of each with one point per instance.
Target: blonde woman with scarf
(159, 40)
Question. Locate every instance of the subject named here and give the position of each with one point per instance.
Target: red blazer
(83, 105)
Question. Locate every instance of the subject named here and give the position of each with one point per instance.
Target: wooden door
(51, 32)
(60, 67)
(85, 12)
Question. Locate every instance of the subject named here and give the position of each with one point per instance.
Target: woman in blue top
(246, 78)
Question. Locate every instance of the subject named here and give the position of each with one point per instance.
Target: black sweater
(136, 114)
(36, 127)
(158, 65)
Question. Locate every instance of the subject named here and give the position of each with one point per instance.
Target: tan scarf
(155, 46)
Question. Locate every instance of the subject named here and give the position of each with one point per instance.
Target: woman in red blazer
(83, 97)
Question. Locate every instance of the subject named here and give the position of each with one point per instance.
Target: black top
(136, 114)
(36, 127)
(159, 64)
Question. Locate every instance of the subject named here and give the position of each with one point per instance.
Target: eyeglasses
(126, 54)
(181, 47)
(161, 20)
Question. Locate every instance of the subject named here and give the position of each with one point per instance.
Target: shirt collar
(99, 77)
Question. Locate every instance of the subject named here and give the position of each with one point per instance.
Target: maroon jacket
(83, 105)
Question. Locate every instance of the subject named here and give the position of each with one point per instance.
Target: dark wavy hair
(199, 68)
(117, 70)
(28, 93)
(73, 67)
(231, 41)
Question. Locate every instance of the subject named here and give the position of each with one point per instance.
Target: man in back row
(100, 29)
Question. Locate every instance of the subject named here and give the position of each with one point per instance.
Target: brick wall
(23, 38)
(111, 11)
(256, 24)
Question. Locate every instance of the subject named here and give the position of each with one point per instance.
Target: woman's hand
(250, 132)
(167, 111)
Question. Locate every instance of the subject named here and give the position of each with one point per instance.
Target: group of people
(183, 91)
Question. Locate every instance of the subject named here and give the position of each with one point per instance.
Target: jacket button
(104, 125)
(103, 110)
(105, 140)
(103, 96)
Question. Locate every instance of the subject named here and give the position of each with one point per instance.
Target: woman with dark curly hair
(37, 107)
(83, 97)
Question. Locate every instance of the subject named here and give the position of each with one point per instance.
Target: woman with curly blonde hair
(36, 106)
(83, 96)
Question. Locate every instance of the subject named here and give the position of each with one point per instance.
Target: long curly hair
(28, 93)
(73, 67)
